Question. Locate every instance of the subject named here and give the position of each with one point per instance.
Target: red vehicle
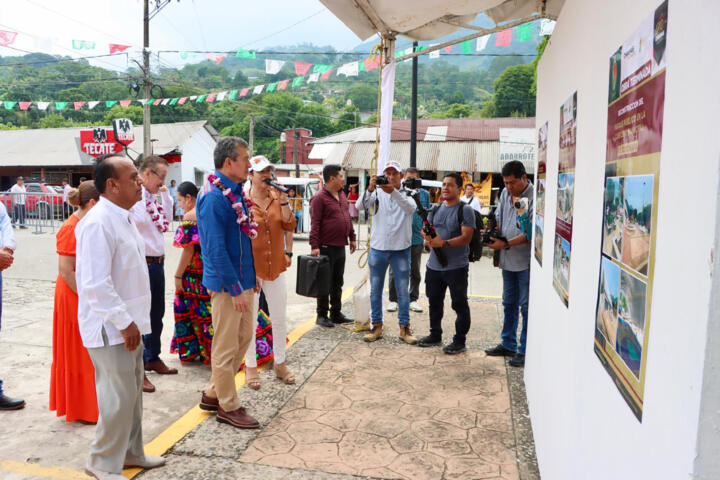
(42, 200)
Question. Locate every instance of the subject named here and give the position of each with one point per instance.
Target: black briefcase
(313, 276)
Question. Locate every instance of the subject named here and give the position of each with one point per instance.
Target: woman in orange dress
(72, 376)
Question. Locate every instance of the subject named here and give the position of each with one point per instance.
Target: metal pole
(252, 134)
(413, 111)
(295, 154)
(147, 144)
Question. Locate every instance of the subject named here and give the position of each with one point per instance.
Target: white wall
(197, 153)
(583, 428)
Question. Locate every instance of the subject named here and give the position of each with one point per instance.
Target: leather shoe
(499, 351)
(237, 418)
(454, 348)
(208, 404)
(160, 367)
(146, 461)
(7, 403)
(147, 386)
(517, 360)
(102, 475)
(429, 341)
(340, 318)
(324, 322)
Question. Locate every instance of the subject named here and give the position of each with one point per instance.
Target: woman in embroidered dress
(193, 324)
(72, 376)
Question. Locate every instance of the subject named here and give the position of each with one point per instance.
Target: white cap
(392, 164)
(258, 163)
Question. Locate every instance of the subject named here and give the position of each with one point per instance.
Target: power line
(286, 28)
(57, 60)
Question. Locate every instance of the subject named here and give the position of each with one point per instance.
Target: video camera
(412, 183)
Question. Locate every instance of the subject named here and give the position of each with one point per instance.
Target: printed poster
(636, 98)
(540, 192)
(565, 196)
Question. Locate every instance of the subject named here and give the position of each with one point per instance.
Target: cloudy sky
(49, 26)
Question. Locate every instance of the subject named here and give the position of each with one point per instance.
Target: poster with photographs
(636, 98)
(565, 195)
(540, 192)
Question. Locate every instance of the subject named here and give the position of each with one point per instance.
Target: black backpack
(476, 245)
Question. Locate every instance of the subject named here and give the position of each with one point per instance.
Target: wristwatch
(289, 254)
(507, 245)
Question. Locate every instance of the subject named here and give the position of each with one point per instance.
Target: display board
(636, 97)
(565, 196)
(540, 192)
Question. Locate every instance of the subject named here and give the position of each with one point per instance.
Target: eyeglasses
(158, 175)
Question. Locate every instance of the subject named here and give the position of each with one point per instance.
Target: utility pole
(252, 134)
(295, 154)
(147, 143)
(413, 110)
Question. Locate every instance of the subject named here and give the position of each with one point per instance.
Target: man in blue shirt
(229, 276)
(416, 249)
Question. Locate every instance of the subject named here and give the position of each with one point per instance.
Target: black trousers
(436, 283)
(336, 255)
(415, 256)
(157, 312)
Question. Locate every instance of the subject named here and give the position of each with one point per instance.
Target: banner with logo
(99, 141)
(636, 100)
(540, 192)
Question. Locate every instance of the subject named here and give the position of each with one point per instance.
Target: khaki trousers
(233, 333)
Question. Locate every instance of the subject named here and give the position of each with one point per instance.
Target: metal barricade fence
(40, 212)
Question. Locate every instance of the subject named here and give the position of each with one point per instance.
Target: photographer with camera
(516, 202)
(392, 211)
(453, 237)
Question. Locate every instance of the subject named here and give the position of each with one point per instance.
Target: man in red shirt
(330, 230)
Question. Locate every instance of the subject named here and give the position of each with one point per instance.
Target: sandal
(288, 378)
(252, 381)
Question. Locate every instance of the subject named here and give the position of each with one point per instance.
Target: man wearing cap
(390, 241)
(18, 194)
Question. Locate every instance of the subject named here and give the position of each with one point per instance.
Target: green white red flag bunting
(78, 105)
(273, 67)
(301, 68)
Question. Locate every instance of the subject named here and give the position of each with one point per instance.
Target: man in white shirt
(18, 195)
(152, 220)
(67, 208)
(113, 312)
(389, 246)
(7, 252)
(470, 198)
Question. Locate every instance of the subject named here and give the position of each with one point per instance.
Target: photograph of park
(613, 217)
(638, 199)
(561, 268)
(607, 308)
(631, 321)
(539, 229)
(565, 197)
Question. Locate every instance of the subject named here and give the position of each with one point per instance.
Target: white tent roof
(425, 19)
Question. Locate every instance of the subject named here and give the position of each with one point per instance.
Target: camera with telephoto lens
(412, 183)
(491, 230)
(522, 203)
(381, 180)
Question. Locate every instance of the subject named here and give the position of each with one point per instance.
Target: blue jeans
(516, 291)
(298, 217)
(157, 312)
(399, 261)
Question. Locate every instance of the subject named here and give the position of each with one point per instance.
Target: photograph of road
(607, 308)
(540, 201)
(539, 229)
(638, 201)
(614, 217)
(631, 320)
(565, 197)
(561, 268)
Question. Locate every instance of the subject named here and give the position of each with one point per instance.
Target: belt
(160, 260)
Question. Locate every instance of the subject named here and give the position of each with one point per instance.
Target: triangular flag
(258, 89)
(283, 85)
(110, 103)
(301, 68)
(7, 37)
(371, 63)
(326, 76)
(233, 94)
(273, 66)
(215, 57)
(9, 105)
(434, 54)
(271, 87)
(165, 101)
(525, 32)
(297, 81)
(349, 69)
(125, 103)
(361, 66)
(182, 100)
(174, 101)
(503, 38)
(546, 27)
(221, 96)
(313, 77)
(320, 68)
(92, 104)
(201, 98)
(115, 48)
(60, 105)
(24, 105)
(83, 45)
(244, 54)
(43, 105)
(211, 98)
(193, 97)
(448, 49)
(78, 105)
(466, 46)
(482, 43)
(244, 91)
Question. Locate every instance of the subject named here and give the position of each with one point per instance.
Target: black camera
(381, 180)
(412, 183)
(491, 230)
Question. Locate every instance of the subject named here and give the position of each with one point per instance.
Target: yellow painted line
(494, 297)
(166, 439)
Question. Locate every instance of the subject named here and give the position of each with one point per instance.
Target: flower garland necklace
(157, 214)
(247, 225)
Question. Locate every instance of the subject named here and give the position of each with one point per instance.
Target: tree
(512, 91)
(316, 118)
(134, 113)
(54, 121)
(364, 97)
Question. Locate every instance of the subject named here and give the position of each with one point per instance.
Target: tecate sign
(99, 141)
